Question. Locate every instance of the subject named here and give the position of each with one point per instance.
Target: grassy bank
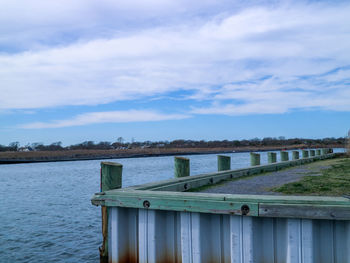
(333, 181)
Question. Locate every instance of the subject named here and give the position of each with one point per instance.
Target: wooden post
(318, 152)
(284, 156)
(111, 178)
(305, 153)
(271, 157)
(254, 159)
(224, 163)
(182, 167)
(295, 155)
(312, 153)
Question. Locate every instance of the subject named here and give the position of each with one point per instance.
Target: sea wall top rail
(172, 195)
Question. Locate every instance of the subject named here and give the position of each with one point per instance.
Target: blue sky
(81, 70)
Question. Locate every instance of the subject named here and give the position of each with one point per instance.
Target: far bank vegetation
(348, 144)
(121, 144)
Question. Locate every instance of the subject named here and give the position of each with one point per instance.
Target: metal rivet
(146, 204)
(245, 209)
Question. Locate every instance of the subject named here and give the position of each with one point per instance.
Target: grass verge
(334, 181)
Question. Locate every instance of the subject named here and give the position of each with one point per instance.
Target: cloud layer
(248, 60)
(106, 117)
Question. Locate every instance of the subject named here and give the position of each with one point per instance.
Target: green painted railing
(172, 194)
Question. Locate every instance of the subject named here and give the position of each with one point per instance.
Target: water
(45, 209)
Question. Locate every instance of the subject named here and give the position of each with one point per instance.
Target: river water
(45, 209)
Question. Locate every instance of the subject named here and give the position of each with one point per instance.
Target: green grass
(334, 181)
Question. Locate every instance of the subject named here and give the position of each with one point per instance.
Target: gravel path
(260, 184)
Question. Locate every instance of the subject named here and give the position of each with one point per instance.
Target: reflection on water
(46, 214)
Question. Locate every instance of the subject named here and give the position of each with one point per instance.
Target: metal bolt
(146, 204)
(245, 209)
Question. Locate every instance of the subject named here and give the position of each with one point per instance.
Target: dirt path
(260, 184)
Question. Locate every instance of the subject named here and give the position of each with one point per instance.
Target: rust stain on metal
(130, 258)
(104, 231)
(127, 258)
(232, 212)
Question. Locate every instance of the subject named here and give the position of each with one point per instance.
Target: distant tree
(38, 146)
(180, 143)
(103, 145)
(3, 148)
(13, 146)
(88, 145)
(56, 146)
(348, 144)
(236, 143)
(59, 144)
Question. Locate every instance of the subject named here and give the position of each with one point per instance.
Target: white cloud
(106, 117)
(208, 59)
(274, 96)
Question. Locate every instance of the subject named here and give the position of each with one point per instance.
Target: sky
(80, 70)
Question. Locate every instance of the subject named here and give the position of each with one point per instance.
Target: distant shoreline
(85, 155)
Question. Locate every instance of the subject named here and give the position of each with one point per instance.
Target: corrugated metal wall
(145, 235)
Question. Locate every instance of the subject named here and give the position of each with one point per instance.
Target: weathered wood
(104, 248)
(182, 167)
(271, 157)
(328, 150)
(111, 178)
(274, 206)
(254, 159)
(305, 153)
(284, 156)
(305, 211)
(295, 155)
(224, 163)
(177, 184)
(311, 200)
(159, 197)
(202, 206)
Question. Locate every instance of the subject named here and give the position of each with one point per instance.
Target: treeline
(121, 144)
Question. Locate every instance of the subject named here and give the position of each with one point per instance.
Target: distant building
(25, 149)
